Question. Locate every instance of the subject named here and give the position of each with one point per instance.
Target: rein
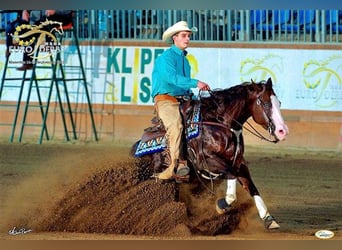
(253, 130)
(258, 134)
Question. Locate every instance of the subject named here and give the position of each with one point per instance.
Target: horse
(213, 142)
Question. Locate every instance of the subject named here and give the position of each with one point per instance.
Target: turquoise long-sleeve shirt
(171, 74)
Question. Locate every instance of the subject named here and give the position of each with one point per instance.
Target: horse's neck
(232, 114)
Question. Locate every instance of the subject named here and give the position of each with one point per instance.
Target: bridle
(266, 111)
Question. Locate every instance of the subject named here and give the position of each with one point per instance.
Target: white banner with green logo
(303, 79)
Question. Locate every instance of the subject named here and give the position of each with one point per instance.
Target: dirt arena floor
(92, 191)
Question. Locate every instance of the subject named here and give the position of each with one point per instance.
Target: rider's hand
(203, 86)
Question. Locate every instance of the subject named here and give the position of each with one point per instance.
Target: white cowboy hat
(177, 27)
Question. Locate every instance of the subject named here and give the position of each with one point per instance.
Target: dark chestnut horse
(213, 142)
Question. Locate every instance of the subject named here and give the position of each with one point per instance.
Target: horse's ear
(253, 87)
(269, 81)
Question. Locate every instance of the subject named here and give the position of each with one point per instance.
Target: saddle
(157, 129)
(153, 139)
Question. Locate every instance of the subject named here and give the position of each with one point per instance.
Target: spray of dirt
(109, 197)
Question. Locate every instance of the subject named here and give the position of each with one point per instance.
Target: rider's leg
(168, 112)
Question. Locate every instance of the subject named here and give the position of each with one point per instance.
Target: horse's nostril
(282, 132)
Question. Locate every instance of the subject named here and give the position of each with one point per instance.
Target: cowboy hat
(174, 29)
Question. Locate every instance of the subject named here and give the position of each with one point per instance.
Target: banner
(303, 79)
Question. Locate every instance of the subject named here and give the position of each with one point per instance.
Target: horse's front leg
(223, 205)
(245, 180)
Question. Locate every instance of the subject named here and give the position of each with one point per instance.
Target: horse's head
(58, 27)
(53, 25)
(266, 109)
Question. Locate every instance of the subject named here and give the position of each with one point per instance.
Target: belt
(158, 98)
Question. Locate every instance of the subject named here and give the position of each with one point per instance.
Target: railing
(300, 26)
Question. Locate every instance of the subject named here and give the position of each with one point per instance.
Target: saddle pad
(151, 146)
(192, 128)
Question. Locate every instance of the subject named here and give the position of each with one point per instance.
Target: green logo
(323, 79)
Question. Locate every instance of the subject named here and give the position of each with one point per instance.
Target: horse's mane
(229, 98)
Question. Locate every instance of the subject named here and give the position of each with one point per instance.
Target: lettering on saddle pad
(154, 140)
(151, 142)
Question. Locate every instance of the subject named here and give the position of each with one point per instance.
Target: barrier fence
(276, 25)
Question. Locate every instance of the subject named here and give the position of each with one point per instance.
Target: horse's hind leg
(245, 179)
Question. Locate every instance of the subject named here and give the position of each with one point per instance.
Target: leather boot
(167, 174)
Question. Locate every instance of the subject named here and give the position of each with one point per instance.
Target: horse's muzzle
(281, 133)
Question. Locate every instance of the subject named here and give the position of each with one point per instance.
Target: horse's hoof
(270, 223)
(222, 206)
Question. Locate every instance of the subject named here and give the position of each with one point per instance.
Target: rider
(171, 79)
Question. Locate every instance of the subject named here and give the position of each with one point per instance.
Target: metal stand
(58, 79)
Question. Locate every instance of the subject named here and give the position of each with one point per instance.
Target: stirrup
(182, 173)
(183, 170)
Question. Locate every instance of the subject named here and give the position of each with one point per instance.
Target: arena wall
(120, 122)
(125, 123)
